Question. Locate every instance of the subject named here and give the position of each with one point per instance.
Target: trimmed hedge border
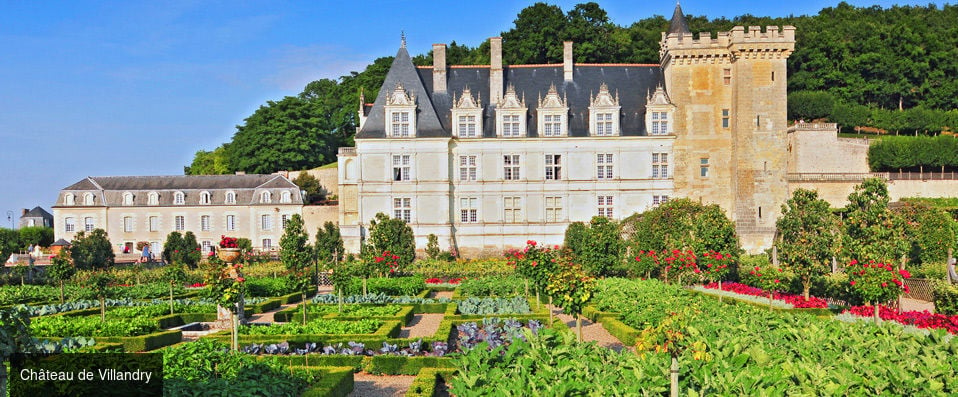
(378, 365)
(405, 314)
(334, 381)
(389, 330)
(143, 343)
(427, 380)
(178, 319)
(621, 331)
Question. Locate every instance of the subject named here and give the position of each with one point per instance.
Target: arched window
(205, 198)
(88, 199)
(285, 197)
(154, 198)
(127, 198)
(69, 199)
(179, 198)
(230, 198)
(265, 198)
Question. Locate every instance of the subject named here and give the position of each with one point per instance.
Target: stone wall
(836, 192)
(314, 216)
(328, 177)
(816, 148)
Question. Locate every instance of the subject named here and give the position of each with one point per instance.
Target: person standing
(146, 256)
(30, 254)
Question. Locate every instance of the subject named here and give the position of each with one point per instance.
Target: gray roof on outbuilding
(37, 212)
(633, 83)
(244, 186)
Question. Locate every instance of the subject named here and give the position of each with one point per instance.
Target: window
(267, 244)
(605, 206)
(467, 168)
(205, 223)
(704, 167)
(127, 224)
(285, 197)
(402, 209)
(603, 124)
(70, 224)
(284, 220)
(266, 222)
(88, 199)
(660, 165)
(657, 199)
(400, 124)
(758, 121)
(88, 224)
(154, 224)
(773, 76)
(230, 198)
(467, 126)
(179, 198)
(553, 167)
(155, 247)
(154, 198)
(401, 167)
(513, 209)
(468, 211)
(553, 209)
(726, 76)
(128, 198)
(207, 245)
(205, 198)
(510, 125)
(603, 165)
(231, 222)
(660, 123)
(179, 222)
(510, 163)
(69, 199)
(552, 125)
(725, 118)
(265, 198)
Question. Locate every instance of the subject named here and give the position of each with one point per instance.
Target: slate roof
(109, 190)
(678, 23)
(37, 212)
(633, 82)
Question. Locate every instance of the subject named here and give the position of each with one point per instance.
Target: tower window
(725, 118)
(726, 76)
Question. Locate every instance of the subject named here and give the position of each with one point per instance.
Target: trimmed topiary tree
(61, 269)
(92, 251)
(807, 233)
(571, 288)
(876, 283)
(392, 235)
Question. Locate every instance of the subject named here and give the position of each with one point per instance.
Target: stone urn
(228, 255)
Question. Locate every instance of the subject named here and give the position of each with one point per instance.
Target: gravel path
(442, 294)
(267, 317)
(366, 385)
(593, 332)
(917, 305)
(422, 325)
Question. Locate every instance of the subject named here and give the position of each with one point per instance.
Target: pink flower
(852, 282)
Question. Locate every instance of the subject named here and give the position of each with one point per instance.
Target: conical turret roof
(678, 24)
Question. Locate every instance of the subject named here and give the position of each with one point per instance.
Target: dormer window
(400, 113)
(658, 113)
(179, 198)
(604, 113)
(206, 198)
(69, 199)
(511, 115)
(153, 198)
(285, 197)
(127, 198)
(230, 198)
(553, 114)
(88, 199)
(265, 198)
(467, 116)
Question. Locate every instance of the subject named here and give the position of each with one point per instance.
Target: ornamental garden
(662, 302)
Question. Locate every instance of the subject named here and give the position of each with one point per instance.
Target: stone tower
(730, 121)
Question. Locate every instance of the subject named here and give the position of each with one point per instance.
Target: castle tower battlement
(683, 47)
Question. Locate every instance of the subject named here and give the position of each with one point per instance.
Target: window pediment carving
(553, 100)
(511, 100)
(466, 101)
(604, 99)
(659, 97)
(399, 97)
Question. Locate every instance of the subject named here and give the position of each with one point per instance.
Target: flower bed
(795, 301)
(919, 319)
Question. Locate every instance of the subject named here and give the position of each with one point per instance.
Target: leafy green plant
(571, 288)
(92, 251)
(459, 268)
(53, 326)
(875, 282)
(490, 306)
(207, 367)
(175, 274)
(432, 246)
(315, 327)
(808, 234)
(492, 286)
(390, 286)
(393, 235)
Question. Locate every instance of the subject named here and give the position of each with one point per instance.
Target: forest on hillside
(891, 69)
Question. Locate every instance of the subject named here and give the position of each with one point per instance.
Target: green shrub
(493, 286)
(471, 268)
(484, 306)
(946, 298)
(394, 286)
(269, 286)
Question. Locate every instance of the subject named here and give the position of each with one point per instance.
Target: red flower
(904, 273)
(240, 279)
(776, 281)
(852, 282)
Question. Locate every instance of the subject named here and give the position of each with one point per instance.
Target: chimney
(495, 69)
(438, 68)
(567, 60)
(24, 212)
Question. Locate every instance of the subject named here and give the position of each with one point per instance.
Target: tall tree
(215, 162)
(807, 234)
(308, 183)
(393, 235)
(534, 37)
(9, 243)
(871, 231)
(329, 244)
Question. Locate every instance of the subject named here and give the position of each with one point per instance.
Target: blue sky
(92, 88)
